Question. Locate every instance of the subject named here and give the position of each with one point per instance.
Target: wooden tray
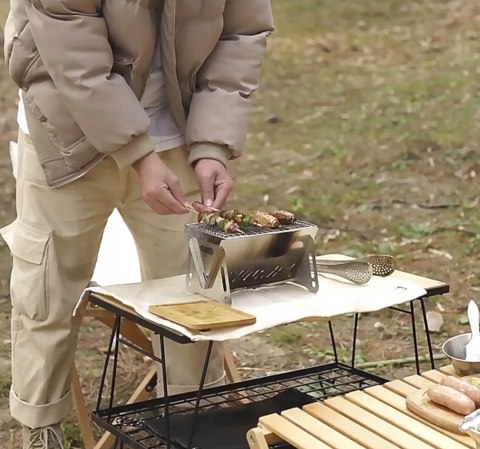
(419, 403)
(203, 315)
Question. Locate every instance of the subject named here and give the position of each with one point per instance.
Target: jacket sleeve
(220, 109)
(72, 39)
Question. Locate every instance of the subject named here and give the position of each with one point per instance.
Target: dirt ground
(366, 124)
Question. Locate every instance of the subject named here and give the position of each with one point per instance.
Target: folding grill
(220, 263)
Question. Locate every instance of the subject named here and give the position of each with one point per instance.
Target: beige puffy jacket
(83, 65)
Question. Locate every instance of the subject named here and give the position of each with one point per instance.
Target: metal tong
(361, 270)
(356, 271)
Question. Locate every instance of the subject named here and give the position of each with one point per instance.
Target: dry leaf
(434, 321)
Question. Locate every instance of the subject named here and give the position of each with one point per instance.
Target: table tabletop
(374, 418)
(274, 306)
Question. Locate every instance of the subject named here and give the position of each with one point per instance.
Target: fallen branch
(404, 361)
(411, 205)
(11, 444)
(460, 230)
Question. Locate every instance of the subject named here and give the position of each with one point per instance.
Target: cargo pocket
(7, 233)
(29, 284)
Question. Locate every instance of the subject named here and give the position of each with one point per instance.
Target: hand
(159, 186)
(214, 181)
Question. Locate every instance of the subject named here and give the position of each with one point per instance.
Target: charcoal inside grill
(225, 428)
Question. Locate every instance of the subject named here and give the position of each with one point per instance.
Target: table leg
(200, 391)
(411, 312)
(414, 336)
(256, 439)
(108, 440)
(230, 368)
(165, 388)
(427, 332)
(354, 339)
(332, 339)
(107, 361)
(115, 363)
(82, 412)
(134, 333)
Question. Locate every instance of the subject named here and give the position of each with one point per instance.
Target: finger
(176, 192)
(190, 207)
(168, 200)
(223, 190)
(207, 190)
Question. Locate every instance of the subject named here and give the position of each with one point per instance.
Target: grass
(366, 124)
(364, 97)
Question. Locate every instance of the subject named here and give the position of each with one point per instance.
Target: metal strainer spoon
(382, 264)
(357, 271)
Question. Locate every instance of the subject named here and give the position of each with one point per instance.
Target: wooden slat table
(375, 418)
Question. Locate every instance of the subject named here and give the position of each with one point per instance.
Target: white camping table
(272, 306)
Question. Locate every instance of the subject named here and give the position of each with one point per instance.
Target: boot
(49, 437)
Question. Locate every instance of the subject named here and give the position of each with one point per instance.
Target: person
(136, 105)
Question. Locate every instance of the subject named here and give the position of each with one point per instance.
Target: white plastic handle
(473, 317)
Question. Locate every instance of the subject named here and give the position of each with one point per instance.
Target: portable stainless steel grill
(220, 263)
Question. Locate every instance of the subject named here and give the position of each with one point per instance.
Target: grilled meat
(265, 220)
(284, 216)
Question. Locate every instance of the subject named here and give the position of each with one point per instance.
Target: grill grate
(321, 382)
(252, 230)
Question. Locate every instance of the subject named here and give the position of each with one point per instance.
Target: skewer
(209, 208)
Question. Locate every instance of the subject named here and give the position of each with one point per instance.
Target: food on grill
(235, 221)
(284, 216)
(451, 398)
(265, 220)
(243, 220)
(213, 219)
(232, 214)
(472, 391)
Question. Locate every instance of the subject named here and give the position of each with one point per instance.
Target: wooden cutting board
(419, 403)
(203, 315)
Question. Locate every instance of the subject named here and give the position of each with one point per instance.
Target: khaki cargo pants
(54, 241)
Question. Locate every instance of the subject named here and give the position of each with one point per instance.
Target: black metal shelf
(127, 422)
